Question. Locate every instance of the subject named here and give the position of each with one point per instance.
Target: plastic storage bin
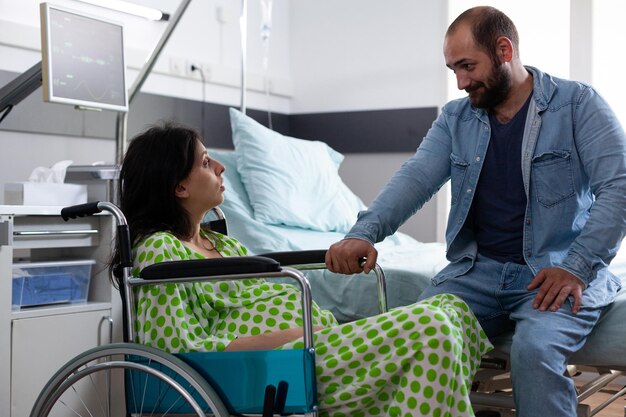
(42, 283)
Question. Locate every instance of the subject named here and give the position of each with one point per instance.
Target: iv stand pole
(243, 30)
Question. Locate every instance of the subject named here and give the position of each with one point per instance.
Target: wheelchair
(132, 379)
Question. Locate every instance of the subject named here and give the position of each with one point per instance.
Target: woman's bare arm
(267, 341)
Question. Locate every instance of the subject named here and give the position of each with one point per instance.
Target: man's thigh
(561, 330)
(478, 287)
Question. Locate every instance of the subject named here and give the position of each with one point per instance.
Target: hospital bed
(409, 265)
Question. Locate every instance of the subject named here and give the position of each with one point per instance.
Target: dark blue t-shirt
(500, 201)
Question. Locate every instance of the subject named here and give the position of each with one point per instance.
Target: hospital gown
(414, 360)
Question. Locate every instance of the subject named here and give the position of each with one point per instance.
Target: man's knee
(539, 349)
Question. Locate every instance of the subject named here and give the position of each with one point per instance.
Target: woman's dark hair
(487, 25)
(155, 162)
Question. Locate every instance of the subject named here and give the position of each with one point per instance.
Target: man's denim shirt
(574, 174)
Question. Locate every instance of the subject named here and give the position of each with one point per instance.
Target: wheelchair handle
(95, 207)
(80, 210)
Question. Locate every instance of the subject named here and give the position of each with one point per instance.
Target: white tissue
(54, 174)
(46, 187)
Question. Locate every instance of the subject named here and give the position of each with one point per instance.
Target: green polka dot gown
(417, 360)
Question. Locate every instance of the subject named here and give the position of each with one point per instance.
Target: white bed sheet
(408, 265)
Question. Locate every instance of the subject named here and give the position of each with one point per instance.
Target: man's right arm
(417, 180)
(345, 256)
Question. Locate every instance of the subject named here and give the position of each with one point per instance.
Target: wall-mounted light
(130, 8)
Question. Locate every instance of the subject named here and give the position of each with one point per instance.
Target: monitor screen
(82, 59)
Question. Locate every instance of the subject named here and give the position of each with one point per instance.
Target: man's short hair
(487, 25)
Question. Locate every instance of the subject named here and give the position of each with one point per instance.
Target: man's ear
(504, 49)
(181, 191)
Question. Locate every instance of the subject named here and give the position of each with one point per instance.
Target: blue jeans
(543, 341)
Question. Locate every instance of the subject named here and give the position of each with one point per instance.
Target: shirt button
(469, 190)
(528, 221)
(529, 253)
(477, 158)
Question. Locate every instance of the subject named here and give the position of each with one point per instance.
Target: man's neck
(521, 88)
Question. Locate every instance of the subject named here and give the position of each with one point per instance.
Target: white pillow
(292, 181)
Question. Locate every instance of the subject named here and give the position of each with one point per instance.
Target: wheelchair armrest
(210, 267)
(316, 259)
(302, 257)
(232, 268)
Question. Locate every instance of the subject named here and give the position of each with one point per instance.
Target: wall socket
(205, 67)
(177, 66)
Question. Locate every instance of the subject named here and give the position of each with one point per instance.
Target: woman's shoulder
(161, 243)
(227, 245)
(158, 239)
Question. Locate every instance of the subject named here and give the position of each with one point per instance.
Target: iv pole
(243, 28)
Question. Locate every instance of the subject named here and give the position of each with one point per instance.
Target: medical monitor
(82, 59)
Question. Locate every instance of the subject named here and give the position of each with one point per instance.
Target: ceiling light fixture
(130, 8)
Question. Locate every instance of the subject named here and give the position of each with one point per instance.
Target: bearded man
(537, 166)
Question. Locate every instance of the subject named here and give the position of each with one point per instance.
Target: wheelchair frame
(171, 373)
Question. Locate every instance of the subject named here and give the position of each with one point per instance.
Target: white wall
(361, 55)
(370, 55)
(21, 152)
(607, 57)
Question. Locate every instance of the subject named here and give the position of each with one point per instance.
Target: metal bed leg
(609, 401)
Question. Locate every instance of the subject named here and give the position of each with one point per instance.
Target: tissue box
(44, 194)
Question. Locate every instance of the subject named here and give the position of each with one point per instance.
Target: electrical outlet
(206, 68)
(203, 66)
(189, 72)
(177, 66)
(224, 15)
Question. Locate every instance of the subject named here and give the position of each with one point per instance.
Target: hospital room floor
(617, 408)
(613, 410)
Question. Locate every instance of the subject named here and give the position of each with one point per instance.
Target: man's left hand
(555, 285)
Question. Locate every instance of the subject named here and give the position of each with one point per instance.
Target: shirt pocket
(552, 177)
(458, 169)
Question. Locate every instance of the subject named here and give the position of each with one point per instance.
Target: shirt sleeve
(601, 143)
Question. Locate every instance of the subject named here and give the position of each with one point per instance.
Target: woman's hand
(268, 341)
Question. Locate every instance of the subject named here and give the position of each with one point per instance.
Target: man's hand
(555, 285)
(344, 256)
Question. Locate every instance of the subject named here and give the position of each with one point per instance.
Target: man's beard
(489, 97)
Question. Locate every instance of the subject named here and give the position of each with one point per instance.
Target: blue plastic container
(42, 283)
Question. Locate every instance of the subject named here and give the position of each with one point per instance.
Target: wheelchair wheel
(152, 382)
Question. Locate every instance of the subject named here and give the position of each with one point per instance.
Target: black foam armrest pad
(210, 267)
(301, 257)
